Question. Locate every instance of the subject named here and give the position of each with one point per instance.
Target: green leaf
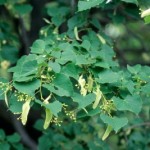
(63, 84)
(91, 112)
(14, 138)
(57, 91)
(60, 11)
(102, 64)
(45, 142)
(4, 146)
(83, 101)
(86, 44)
(131, 103)
(68, 53)
(23, 8)
(55, 66)
(22, 61)
(59, 17)
(15, 106)
(26, 66)
(129, 84)
(38, 47)
(84, 60)
(131, 1)
(2, 2)
(23, 78)
(71, 70)
(107, 55)
(146, 89)
(108, 76)
(77, 20)
(18, 146)
(84, 5)
(66, 56)
(96, 45)
(95, 22)
(115, 122)
(39, 124)
(134, 69)
(2, 135)
(56, 54)
(54, 107)
(57, 20)
(10, 53)
(27, 87)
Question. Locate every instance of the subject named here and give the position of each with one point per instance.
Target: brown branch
(24, 37)
(26, 139)
(9, 118)
(73, 5)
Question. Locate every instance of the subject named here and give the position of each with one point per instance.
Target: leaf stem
(41, 90)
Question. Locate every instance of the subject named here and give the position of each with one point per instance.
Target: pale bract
(82, 84)
(98, 94)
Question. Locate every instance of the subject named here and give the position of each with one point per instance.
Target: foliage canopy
(72, 74)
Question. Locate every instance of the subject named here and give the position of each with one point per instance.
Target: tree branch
(26, 139)
(24, 38)
(73, 4)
